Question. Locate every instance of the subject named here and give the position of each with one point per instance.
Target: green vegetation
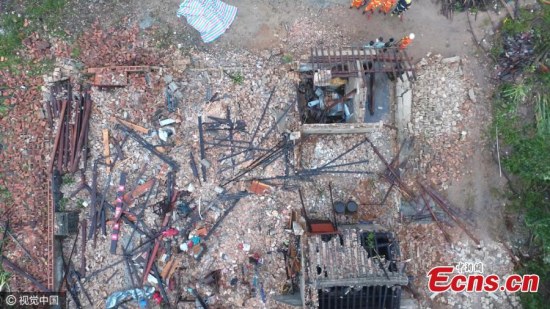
(522, 24)
(4, 280)
(449, 7)
(75, 52)
(4, 109)
(68, 180)
(522, 118)
(19, 20)
(5, 195)
(286, 58)
(496, 49)
(41, 67)
(4, 275)
(370, 240)
(63, 204)
(237, 78)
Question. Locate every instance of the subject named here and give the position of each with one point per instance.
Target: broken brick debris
(259, 188)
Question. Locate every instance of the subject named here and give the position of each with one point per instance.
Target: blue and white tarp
(210, 17)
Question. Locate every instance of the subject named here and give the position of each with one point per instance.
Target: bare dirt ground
(264, 24)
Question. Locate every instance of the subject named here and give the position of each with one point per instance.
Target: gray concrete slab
(381, 90)
(403, 98)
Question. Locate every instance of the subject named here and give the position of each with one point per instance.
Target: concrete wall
(403, 106)
(340, 128)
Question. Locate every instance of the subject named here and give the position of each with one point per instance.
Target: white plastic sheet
(210, 17)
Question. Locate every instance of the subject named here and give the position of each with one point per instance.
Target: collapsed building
(334, 258)
(344, 266)
(356, 268)
(354, 88)
(354, 264)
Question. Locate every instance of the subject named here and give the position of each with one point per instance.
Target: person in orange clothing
(356, 4)
(387, 6)
(405, 41)
(373, 5)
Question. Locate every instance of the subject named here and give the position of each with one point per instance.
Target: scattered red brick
(119, 46)
(23, 170)
(259, 188)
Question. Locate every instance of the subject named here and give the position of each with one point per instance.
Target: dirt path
(260, 24)
(264, 24)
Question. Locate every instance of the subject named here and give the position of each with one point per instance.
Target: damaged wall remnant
(349, 88)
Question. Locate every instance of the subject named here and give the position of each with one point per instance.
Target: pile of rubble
(441, 117)
(121, 46)
(142, 105)
(518, 52)
(495, 260)
(425, 246)
(195, 146)
(319, 151)
(186, 113)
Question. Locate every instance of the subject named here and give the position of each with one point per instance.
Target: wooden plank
(106, 150)
(138, 191)
(58, 135)
(132, 126)
(259, 188)
(166, 269)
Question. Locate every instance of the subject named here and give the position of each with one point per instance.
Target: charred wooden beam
(202, 150)
(434, 217)
(83, 235)
(193, 165)
(58, 135)
(262, 117)
(140, 140)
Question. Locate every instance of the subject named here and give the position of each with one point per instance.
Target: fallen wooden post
(83, 227)
(58, 135)
(203, 152)
(107, 150)
(151, 258)
(140, 140)
(130, 125)
(194, 168)
(138, 191)
(81, 132)
(27, 253)
(251, 144)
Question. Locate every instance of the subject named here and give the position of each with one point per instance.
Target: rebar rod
(262, 116)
